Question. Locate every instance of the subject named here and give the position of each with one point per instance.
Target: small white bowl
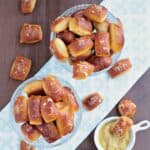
(143, 125)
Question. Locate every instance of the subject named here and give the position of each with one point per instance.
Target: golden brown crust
(33, 87)
(34, 113)
(80, 26)
(27, 6)
(31, 33)
(120, 67)
(82, 69)
(92, 101)
(95, 13)
(59, 49)
(127, 108)
(121, 126)
(102, 44)
(53, 88)
(60, 24)
(100, 63)
(20, 68)
(65, 121)
(67, 36)
(80, 46)
(21, 109)
(116, 37)
(30, 132)
(25, 146)
(71, 100)
(48, 109)
(102, 27)
(49, 132)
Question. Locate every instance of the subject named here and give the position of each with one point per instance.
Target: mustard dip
(110, 142)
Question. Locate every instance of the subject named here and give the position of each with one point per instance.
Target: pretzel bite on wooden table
(31, 33)
(21, 109)
(96, 13)
(20, 68)
(27, 6)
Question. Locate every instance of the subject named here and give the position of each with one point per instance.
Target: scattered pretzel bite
(102, 27)
(20, 68)
(59, 49)
(121, 126)
(102, 46)
(53, 88)
(116, 37)
(27, 6)
(30, 132)
(82, 69)
(127, 108)
(33, 88)
(80, 26)
(34, 113)
(100, 63)
(31, 33)
(48, 109)
(78, 13)
(25, 146)
(60, 24)
(64, 122)
(80, 46)
(120, 67)
(66, 36)
(95, 13)
(92, 101)
(71, 100)
(49, 131)
(21, 109)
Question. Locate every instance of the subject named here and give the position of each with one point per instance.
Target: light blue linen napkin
(135, 17)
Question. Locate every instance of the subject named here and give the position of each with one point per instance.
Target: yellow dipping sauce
(110, 142)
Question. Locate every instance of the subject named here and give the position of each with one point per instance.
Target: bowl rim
(69, 68)
(57, 142)
(99, 126)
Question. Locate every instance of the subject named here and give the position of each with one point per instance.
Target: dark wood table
(10, 22)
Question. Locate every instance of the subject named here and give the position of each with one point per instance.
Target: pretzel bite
(102, 46)
(80, 26)
(31, 33)
(92, 101)
(80, 46)
(27, 6)
(21, 109)
(49, 131)
(120, 67)
(33, 88)
(95, 13)
(53, 88)
(48, 109)
(116, 37)
(20, 68)
(82, 69)
(34, 110)
(66, 36)
(25, 146)
(60, 24)
(59, 49)
(121, 126)
(102, 27)
(30, 132)
(71, 100)
(65, 121)
(100, 63)
(127, 108)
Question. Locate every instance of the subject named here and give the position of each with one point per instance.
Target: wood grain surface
(11, 20)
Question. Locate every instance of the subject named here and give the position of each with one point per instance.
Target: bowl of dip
(104, 140)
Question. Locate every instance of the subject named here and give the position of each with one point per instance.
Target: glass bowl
(69, 12)
(41, 141)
